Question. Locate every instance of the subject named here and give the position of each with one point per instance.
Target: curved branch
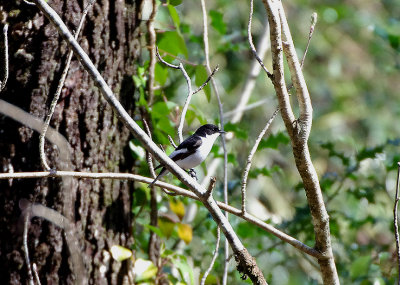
(178, 190)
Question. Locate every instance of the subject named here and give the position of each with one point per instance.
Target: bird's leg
(192, 173)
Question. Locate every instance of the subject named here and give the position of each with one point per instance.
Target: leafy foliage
(352, 74)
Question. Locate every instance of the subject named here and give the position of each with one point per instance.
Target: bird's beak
(222, 132)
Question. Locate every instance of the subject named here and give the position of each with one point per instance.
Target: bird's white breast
(201, 153)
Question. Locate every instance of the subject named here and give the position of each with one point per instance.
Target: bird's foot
(192, 173)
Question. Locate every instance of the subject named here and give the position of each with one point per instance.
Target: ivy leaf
(217, 22)
(201, 77)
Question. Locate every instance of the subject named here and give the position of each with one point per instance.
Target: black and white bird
(194, 150)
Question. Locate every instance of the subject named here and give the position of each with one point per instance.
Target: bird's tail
(163, 172)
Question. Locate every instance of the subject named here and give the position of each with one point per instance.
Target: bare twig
(171, 140)
(188, 98)
(3, 82)
(250, 158)
(36, 274)
(314, 18)
(262, 47)
(395, 221)
(221, 118)
(152, 52)
(170, 65)
(149, 156)
(207, 80)
(178, 190)
(215, 255)
(37, 210)
(58, 92)
(244, 259)
(211, 186)
(27, 219)
(250, 38)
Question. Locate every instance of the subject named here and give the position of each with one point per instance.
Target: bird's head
(208, 130)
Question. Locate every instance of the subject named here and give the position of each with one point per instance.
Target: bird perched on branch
(194, 150)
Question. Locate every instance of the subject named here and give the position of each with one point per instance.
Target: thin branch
(188, 97)
(262, 47)
(26, 249)
(250, 39)
(250, 158)
(257, 275)
(303, 97)
(314, 19)
(395, 221)
(178, 190)
(171, 140)
(3, 82)
(240, 109)
(164, 62)
(213, 180)
(58, 92)
(207, 80)
(299, 131)
(36, 274)
(37, 210)
(215, 255)
(152, 45)
(149, 156)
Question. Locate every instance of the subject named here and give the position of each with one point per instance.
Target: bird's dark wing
(186, 148)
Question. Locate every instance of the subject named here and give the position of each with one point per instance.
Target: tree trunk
(97, 141)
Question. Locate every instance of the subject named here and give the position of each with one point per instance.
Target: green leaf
(174, 16)
(201, 77)
(369, 152)
(217, 22)
(155, 230)
(232, 159)
(166, 226)
(238, 131)
(360, 266)
(274, 140)
(120, 253)
(144, 270)
(160, 74)
(139, 151)
(184, 268)
(173, 43)
(264, 171)
(175, 2)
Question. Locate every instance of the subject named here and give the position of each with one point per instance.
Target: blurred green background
(352, 72)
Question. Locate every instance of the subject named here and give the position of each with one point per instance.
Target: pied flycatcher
(194, 150)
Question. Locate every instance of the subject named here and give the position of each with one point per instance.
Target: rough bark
(97, 140)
